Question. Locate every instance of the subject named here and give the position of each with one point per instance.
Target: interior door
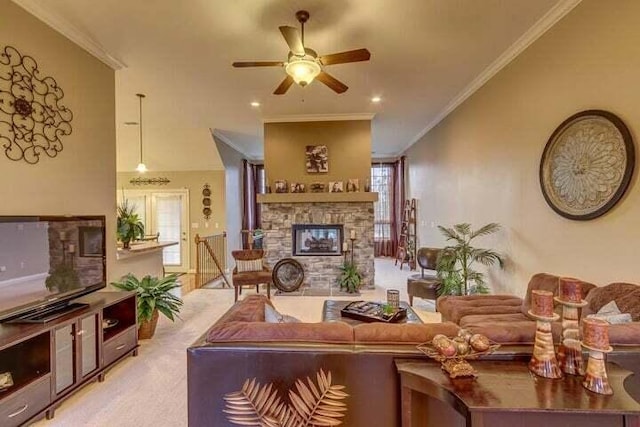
(169, 217)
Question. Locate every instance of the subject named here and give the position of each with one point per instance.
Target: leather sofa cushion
(626, 296)
(512, 332)
(250, 309)
(407, 333)
(476, 319)
(454, 308)
(330, 333)
(625, 334)
(548, 282)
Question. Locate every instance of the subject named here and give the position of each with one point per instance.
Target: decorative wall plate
(587, 165)
(288, 275)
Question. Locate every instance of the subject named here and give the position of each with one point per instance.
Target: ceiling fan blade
(284, 86)
(245, 64)
(293, 39)
(333, 83)
(345, 57)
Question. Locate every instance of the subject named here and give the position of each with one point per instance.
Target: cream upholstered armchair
(250, 271)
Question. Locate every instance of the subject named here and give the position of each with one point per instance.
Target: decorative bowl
(457, 365)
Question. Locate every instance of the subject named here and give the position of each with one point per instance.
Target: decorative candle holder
(543, 360)
(569, 351)
(596, 340)
(393, 298)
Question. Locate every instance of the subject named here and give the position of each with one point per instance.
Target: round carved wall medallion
(587, 165)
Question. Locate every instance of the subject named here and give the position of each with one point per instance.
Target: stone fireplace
(322, 228)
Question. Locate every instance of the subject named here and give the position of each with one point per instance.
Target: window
(382, 183)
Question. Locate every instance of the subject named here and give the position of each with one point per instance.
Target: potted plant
(350, 278)
(129, 225)
(455, 263)
(154, 297)
(63, 278)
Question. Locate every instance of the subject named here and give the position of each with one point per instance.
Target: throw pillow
(611, 313)
(271, 315)
(251, 265)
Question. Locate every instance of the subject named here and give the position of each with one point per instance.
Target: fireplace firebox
(317, 239)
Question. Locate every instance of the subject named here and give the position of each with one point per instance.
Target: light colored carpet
(151, 389)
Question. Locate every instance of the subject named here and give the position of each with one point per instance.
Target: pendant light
(141, 166)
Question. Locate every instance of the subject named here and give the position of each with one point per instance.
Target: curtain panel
(252, 184)
(387, 179)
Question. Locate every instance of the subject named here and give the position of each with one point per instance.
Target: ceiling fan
(303, 64)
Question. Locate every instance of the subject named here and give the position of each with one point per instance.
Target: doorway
(165, 213)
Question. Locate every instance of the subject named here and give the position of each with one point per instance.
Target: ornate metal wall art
(32, 119)
(206, 201)
(587, 165)
(149, 181)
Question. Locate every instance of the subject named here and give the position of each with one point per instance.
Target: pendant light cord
(140, 95)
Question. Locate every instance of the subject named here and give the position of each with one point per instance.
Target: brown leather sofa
(241, 345)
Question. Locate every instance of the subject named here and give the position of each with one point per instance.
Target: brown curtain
(388, 181)
(252, 184)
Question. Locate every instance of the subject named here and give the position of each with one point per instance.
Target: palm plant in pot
(350, 278)
(129, 226)
(455, 264)
(154, 297)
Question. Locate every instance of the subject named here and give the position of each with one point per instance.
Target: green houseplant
(154, 297)
(455, 264)
(129, 226)
(63, 278)
(350, 278)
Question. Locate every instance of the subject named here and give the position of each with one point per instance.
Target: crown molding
(216, 134)
(70, 31)
(318, 118)
(547, 21)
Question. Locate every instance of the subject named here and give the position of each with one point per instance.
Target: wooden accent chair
(250, 271)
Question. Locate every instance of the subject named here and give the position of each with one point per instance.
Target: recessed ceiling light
(376, 99)
(255, 104)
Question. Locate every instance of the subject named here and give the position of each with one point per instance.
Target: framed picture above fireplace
(317, 239)
(317, 159)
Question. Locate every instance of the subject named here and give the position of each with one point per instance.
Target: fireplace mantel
(317, 197)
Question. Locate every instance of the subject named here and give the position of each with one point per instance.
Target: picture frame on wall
(297, 187)
(317, 159)
(90, 242)
(317, 187)
(281, 186)
(353, 185)
(336, 187)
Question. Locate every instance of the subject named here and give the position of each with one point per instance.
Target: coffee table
(331, 313)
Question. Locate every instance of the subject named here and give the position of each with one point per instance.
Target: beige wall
(194, 182)
(349, 144)
(481, 163)
(81, 180)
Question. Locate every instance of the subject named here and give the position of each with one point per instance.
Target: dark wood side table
(507, 394)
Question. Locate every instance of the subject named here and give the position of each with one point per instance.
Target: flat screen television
(47, 261)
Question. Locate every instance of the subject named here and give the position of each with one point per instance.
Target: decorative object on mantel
(353, 185)
(287, 275)
(587, 165)
(32, 119)
(311, 405)
(281, 186)
(317, 187)
(317, 157)
(453, 353)
(336, 187)
(569, 352)
(297, 187)
(596, 340)
(206, 201)
(543, 360)
(367, 185)
(149, 181)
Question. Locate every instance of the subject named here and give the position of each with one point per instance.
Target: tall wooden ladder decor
(406, 252)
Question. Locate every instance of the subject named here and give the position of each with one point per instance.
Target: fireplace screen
(317, 239)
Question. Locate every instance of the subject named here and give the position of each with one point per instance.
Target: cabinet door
(89, 345)
(65, 372)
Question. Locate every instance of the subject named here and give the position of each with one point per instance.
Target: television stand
(50, 313)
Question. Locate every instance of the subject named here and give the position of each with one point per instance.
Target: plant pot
(126, 244)
(148, 328)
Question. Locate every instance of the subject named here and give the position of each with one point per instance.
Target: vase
(148, 327)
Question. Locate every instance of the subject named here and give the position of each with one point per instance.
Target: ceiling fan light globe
(303, 71)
